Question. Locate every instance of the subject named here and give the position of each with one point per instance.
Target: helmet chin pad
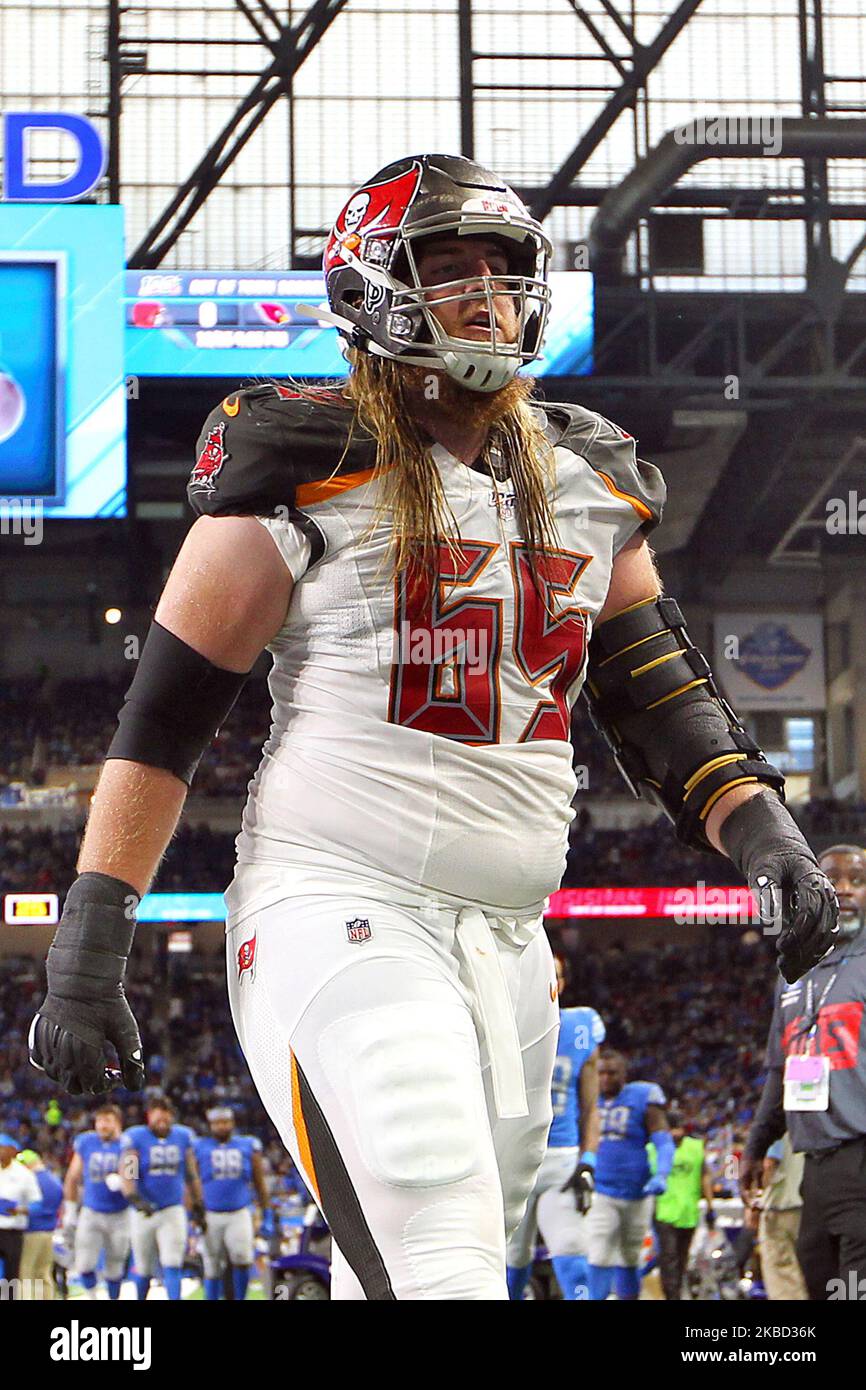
(479, 371)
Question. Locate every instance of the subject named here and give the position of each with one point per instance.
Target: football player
(157, 1164)
(96, 1213)
(632, 1117)
(436, 563)
(230, 1166)
(563, 1191)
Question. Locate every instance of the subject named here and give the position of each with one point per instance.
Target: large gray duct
(739, 137)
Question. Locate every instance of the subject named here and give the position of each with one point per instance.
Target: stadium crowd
(694, 1020)
(192, 1057)
(70, 723)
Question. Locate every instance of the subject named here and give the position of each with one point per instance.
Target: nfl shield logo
(359, 929)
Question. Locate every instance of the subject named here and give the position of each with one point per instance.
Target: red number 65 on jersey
(447, 675)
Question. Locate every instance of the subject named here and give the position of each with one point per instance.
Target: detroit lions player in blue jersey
(96, 1213)
(158, 1162)
(563, 1190)
(632, 1117)
(230, 1166)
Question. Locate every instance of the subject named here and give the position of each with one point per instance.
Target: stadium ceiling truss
(645, 338)
(287, 47)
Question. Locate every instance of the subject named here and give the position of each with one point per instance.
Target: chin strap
(322, 315)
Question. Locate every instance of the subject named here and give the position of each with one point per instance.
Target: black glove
(199, 1215)
(582, 1184)
(710, 1219)
(142, 1204)
(86, 1006)
(792, 893)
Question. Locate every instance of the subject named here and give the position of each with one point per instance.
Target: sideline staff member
(816, 1082)
(779, 1225)
(18, 1191)
(678, 1210)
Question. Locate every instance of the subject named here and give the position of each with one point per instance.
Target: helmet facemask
(477, 364)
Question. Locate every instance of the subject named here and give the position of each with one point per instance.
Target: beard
(850, 925)
(456, 403)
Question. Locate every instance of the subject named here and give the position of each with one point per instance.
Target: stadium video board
(62, 382)
(246, 324)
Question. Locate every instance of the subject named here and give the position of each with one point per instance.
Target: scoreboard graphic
(32, 370)
(62, 386)
(247, 324)
(31, 909)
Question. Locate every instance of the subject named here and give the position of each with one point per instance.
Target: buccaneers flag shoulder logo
(377, 209)
(210, 460)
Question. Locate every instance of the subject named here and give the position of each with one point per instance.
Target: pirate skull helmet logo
(355, 211)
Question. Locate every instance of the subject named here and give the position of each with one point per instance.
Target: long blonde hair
(410, 489)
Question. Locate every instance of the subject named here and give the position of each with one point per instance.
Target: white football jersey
(421, 737)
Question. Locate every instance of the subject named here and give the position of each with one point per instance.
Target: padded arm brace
(675, 739)
(174, 707)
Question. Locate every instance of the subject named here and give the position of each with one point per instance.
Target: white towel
(493, 1001)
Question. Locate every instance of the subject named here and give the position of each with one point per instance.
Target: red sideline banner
(696, 902)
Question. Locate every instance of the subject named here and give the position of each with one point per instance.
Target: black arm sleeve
(174, 707)
(769, 1123)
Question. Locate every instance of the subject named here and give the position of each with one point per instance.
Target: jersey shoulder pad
(580, 1016)
(255, 1144)
(131, 1136)
(612, 453)
(593, 1023)
(267, 448)
(651, 1093)
(81, 1141)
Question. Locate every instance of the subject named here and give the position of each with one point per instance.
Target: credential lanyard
(813, 1011)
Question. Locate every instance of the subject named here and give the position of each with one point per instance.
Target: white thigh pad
(409, 1074)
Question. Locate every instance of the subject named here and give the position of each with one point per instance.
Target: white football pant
(163, 1234)
(229, 1236)
(405, 1055)
(616, 1228)
(102, 1230)
(552, 1212)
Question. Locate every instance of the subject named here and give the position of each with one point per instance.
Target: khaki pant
(37, 1264)
(777, 1237)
